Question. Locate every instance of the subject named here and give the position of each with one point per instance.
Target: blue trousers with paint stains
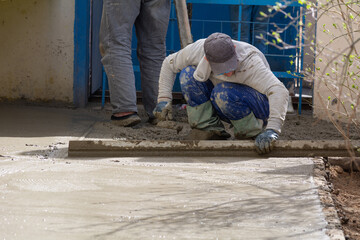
(232, 101)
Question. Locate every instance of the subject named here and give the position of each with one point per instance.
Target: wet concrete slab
(44, 194)
(145, 198)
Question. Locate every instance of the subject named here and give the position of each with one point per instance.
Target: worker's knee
(228, 101)
(194, 92)
(187, 76)
(236, 101)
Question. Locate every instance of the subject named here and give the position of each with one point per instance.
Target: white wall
(37, 49)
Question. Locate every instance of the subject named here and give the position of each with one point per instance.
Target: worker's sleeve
(173, 64)
(166, 81)
(260, 77)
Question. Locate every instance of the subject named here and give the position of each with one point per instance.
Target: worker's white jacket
(253, 70)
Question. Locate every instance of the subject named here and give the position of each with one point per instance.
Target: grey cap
(220, 52)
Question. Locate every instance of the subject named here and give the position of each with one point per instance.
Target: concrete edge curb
(333, 229)
(246, 148)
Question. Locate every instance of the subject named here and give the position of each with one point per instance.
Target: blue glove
(264, 141)
(163, 111)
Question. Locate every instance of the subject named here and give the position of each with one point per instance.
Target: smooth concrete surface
(44, 194)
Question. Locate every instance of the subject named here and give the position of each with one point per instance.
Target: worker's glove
(265, 140)
(163, 111)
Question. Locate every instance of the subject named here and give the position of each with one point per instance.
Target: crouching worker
(225, 80)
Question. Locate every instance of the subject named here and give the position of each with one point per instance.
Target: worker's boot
(196, 134)
(126, 121)
(205, 123)
(247, 127)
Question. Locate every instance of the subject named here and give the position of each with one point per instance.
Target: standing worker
(229, 80)
(151, 19)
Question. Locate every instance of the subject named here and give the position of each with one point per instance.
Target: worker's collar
(203, 70)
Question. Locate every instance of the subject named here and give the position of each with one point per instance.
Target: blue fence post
(81, 52)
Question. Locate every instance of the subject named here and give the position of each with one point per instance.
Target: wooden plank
(183, 23)
(246, 148)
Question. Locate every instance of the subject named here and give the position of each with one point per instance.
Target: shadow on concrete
(38, 121)
(206, 221)
(46, 152)
(305, 170)
(216, 160)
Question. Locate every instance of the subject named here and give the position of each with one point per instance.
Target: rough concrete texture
(44, 194)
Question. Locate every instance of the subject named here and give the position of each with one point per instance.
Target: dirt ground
(346, 196)
(296, 127)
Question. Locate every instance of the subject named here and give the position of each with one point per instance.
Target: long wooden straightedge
(139, 148)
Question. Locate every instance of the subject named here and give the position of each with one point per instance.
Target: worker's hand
(163, 111)
(264, 141)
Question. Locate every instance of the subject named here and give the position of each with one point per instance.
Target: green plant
(329, 33)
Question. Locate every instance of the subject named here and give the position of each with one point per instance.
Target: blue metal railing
(248, 2)
(203, 27)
